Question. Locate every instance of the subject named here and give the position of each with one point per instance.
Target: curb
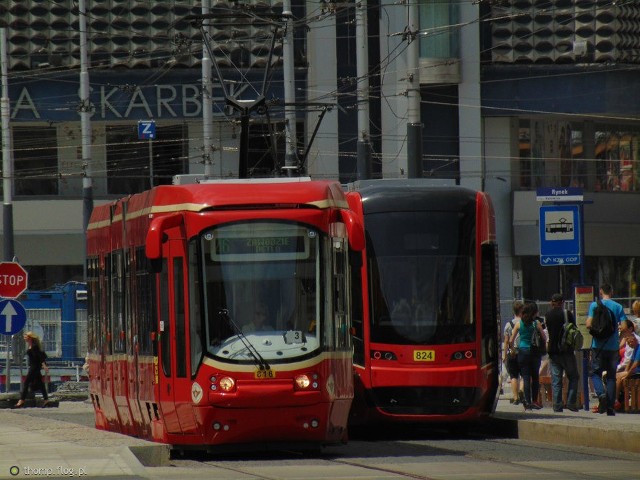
(579, 435)
(568, 432)
(155, 455)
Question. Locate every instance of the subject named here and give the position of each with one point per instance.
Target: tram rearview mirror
(156, 236)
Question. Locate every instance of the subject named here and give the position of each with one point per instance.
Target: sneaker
(536, 406)
(602, 403)
(557, 410)
(573, 408)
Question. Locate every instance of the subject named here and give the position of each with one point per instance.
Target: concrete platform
(620, 432)
(62, 440)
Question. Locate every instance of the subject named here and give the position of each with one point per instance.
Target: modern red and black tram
(175, 277)
(427, 333)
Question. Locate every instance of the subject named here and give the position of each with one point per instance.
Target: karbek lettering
(158, 101)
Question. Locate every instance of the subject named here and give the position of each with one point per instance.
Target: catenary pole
(7, 184)
(85, 126)
(290, 158)
(414, 126)
(207, 102)
(362, 67)
(7, 161)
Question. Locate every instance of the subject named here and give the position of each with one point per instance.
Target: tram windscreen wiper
(260, 362)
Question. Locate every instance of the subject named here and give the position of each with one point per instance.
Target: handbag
(538, 343)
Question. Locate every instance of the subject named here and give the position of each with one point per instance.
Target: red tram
(427, 336)
(176, 276)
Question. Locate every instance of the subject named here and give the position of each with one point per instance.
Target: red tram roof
(224, 194)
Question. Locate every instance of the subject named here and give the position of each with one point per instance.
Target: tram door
(175, 382)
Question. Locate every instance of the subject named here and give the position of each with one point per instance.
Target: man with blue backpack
(602, 323)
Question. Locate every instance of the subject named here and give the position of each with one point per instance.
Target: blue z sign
(146, 129)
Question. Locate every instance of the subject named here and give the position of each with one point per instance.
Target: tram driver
(259, 323)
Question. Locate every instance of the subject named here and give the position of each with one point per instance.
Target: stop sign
(13, 279)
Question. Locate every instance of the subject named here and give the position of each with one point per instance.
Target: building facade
(515, 95)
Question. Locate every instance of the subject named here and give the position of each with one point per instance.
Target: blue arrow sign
(146, 129)
(559, 235)
(13, 317)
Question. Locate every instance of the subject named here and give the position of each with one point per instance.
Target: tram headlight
(383, 355)
(302, 381)
(463, 355)
(227, 384)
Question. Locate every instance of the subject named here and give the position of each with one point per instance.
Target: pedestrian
(626, 352)
(562, 361)
(604, 353)
(510, 355)
(528, 357)
(626, 328)
(37, 361)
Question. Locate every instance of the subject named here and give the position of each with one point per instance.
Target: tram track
(419, 453)
(320, 464)
(431, 457)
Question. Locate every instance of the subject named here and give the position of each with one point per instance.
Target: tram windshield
(421, 275)
(261, 284)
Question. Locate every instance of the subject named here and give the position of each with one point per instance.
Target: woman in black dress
(36, 363)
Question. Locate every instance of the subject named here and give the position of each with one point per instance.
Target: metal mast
(207, 102)
(7, 160)
(290, 158)
(414, 126)
(85, 125)
(362, 48)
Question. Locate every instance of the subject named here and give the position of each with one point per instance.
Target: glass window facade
(439, 34)
(133, 163)
(600, 157)
(35, 165)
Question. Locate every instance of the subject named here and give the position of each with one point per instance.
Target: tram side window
(195, 311)
(105, 322)
(145, 301)
(128, 303)
(178, 305)
(340, 284)
(93, 304)
(490, 318)
(118, 302)
(327, 297)
(355, 260)
(165, 331)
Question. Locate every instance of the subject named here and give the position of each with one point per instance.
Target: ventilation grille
(565, 31)
(132, 34)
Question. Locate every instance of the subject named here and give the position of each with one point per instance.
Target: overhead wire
(384, 70)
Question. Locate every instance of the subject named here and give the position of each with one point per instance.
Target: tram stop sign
(13, 279)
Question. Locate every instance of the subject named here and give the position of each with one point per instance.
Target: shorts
(513, 368)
